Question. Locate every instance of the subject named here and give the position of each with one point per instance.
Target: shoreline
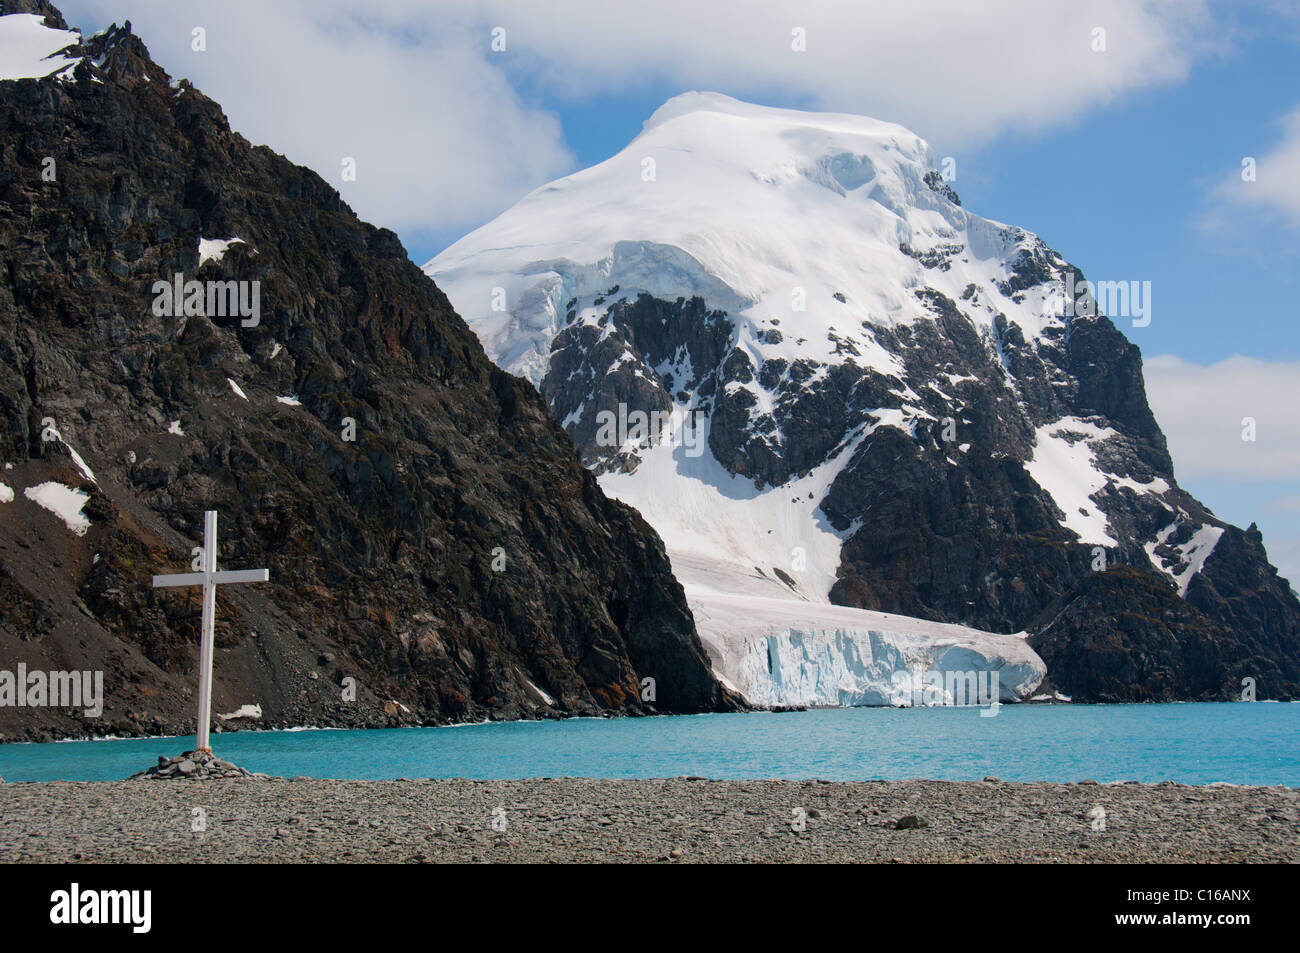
(645, 821)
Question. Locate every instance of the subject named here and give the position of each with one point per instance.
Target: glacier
(784, 652)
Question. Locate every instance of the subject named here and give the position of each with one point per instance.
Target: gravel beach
(678, 820)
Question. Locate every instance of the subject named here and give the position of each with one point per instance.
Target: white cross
(209, 579)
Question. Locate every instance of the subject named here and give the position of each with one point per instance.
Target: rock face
(1123, 636)
(437, 552)
(907, 408)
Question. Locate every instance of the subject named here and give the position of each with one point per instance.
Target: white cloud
(966, 71)
(1201, 409)
(443, 139)
(1273, 191)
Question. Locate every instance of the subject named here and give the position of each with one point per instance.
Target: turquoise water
(1194, 743)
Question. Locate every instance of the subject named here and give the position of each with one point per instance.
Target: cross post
(209, 579)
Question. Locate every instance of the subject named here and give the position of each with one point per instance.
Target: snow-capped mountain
(781, 337)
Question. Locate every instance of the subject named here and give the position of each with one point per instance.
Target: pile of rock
(193, 765)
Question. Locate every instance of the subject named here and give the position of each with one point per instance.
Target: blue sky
(1126, 160)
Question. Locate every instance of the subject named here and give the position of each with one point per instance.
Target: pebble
(576, 820)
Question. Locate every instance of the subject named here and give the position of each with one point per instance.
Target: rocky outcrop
(437, 552)
(1124, 636)
(193, 766)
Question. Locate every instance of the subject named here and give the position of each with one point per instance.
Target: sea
(1236, 743)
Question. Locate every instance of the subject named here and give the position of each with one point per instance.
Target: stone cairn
(193, 765)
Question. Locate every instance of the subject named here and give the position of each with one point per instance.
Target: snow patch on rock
(31, 50)
(1065, 465)
(540, 694)
(81, 464)
(64, 502)
(214, 249)
(250, 712)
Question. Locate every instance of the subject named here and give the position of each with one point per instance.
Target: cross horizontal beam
(242, 575)
(198, 578)
(179, 579)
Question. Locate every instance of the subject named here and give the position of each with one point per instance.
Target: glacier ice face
(780, 652)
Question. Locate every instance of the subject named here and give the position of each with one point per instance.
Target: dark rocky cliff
(454, 558)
